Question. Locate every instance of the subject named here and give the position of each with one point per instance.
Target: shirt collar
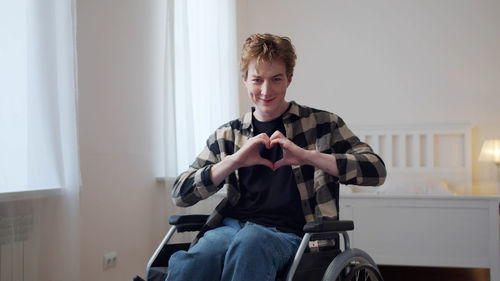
(293, 110)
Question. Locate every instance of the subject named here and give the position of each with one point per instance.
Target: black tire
(346, 262)
(365, 272)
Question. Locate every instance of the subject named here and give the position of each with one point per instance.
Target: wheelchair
(330, 264)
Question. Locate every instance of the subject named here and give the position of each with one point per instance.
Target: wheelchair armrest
(328, 226)
(188, 222)
(180, 219)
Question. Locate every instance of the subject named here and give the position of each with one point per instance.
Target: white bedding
(401, 184)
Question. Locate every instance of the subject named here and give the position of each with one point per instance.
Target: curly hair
(268, 47)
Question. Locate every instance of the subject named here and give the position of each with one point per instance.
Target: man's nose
(266, 88)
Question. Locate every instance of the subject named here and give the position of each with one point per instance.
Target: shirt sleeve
(356, 161)
(195, 184)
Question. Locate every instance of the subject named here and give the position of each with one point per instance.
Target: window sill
(29, 194)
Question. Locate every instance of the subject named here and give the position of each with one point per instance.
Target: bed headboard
(435, 152)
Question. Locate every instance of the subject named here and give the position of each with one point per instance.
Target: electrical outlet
(109, 260)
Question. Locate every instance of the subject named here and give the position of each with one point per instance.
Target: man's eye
(277, 79)
(256, 80)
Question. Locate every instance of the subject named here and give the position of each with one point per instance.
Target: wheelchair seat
(329, 264)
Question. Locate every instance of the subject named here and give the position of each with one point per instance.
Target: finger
(264, 139)
(280, 141)
(267, 163)
(263, 136)
(280, 163)
(261, 139)
(276, 135)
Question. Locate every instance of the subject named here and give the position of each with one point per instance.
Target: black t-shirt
(269, 197)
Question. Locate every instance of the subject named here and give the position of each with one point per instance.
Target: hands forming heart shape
(261, 150)
(272, 154)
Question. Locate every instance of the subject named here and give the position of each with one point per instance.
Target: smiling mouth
(266, 100)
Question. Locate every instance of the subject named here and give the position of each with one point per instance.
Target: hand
(249, 155)
(292, 154)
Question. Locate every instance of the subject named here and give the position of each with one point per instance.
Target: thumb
(278, 164)
(267, 163)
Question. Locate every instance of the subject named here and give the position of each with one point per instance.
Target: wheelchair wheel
(363, 272)
(351, 265)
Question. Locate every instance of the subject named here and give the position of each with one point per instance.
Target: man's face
(266, 85)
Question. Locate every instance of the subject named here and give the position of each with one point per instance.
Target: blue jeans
(235, 251)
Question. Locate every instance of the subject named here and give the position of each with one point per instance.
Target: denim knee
(260, 252)
(253, 240)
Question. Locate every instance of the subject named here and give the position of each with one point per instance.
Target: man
(281, 164)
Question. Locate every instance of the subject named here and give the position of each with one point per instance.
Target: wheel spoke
(362, 272)
(354, 265)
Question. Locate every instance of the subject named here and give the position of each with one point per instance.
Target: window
(202, 76)
(38, 144)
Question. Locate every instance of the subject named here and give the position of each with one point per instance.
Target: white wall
(392, 61)
(120, 55)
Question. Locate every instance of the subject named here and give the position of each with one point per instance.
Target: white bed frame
(421, 229)
(438, 151)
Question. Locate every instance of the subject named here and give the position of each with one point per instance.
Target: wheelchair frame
(349, 263)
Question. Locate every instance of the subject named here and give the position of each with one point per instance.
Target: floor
(397, 273)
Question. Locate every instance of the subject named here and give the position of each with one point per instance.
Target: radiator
(17, 259)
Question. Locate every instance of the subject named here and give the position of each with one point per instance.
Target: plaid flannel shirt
(308, 128)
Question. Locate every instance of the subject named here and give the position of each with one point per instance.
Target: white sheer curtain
(38, 142)
(202, 76)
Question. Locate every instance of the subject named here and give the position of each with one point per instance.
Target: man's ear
(289, 81)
